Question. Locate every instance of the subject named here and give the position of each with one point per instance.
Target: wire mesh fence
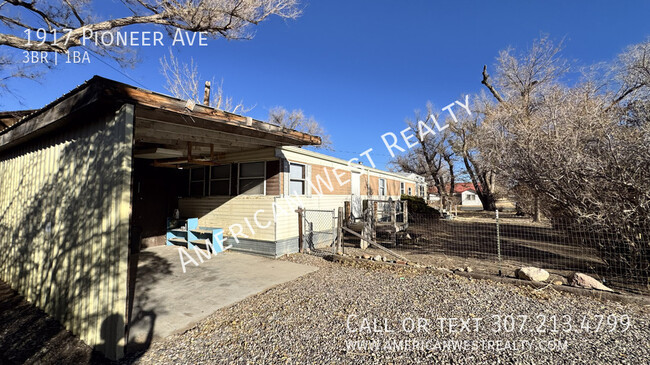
(500, 245)
(319, 230)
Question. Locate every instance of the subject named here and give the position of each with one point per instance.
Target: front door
(355, 199)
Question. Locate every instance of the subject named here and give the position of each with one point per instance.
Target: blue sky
(362, 67)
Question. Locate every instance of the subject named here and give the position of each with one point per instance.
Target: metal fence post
(498, 242)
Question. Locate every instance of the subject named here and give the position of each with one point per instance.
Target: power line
(98, 57)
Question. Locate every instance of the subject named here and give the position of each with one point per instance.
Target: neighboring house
(92, 177)
(469, 200)
(464, 195)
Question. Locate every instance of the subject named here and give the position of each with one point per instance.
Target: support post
(300, 241)
(405, 209)
(375, 214)
(348, 211)
(339, 229)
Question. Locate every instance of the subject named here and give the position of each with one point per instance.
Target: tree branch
(487, 84)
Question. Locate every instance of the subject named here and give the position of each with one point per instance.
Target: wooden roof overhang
(170, 131)
(201, 135)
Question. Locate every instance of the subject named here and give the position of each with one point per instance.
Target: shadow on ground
(29, 336)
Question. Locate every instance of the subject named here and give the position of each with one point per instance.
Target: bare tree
(473, 146)
(73, 19)
(184, 81)
(580, 148)
(432, 157)
(60, 26)
(297, 120)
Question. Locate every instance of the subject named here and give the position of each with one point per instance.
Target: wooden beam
(219, 122)
(375, 244)
(227, 121)
(180, 143)
(153, 129)
(162, 126)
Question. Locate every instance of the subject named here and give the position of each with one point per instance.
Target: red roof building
(458, 188)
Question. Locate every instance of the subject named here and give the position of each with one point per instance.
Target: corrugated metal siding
(224, 211)
(64, 225)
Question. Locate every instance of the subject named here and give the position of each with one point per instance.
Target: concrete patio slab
(168, 301)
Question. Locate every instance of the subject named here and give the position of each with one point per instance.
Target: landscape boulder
(581, 280)
(532, 274)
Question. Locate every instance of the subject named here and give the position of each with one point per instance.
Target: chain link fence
(319, 230)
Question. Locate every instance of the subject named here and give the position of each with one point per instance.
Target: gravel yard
(345, 314)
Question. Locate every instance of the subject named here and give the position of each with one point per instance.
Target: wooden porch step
(198, 242)
(178, 240)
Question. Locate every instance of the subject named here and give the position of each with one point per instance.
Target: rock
(532, 274)
(469, 269)
(581, 280)
(383, 258)
(401, 262)
(377, 258)
(366, 256)
(558, 280)
(459, 269)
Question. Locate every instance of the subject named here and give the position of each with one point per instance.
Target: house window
(471, 197)
(197, 182)
(401, 188)
(220, 180)
(251, 178)
(410, 191)
(297, 175)
(422, 190)
(382, 187)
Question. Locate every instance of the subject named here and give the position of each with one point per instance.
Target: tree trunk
(481, 185)
(537, 216)
(488, 201)
(452, 177)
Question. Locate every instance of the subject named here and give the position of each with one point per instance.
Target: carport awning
(170, 130)
(198, 134)
(176, 138)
